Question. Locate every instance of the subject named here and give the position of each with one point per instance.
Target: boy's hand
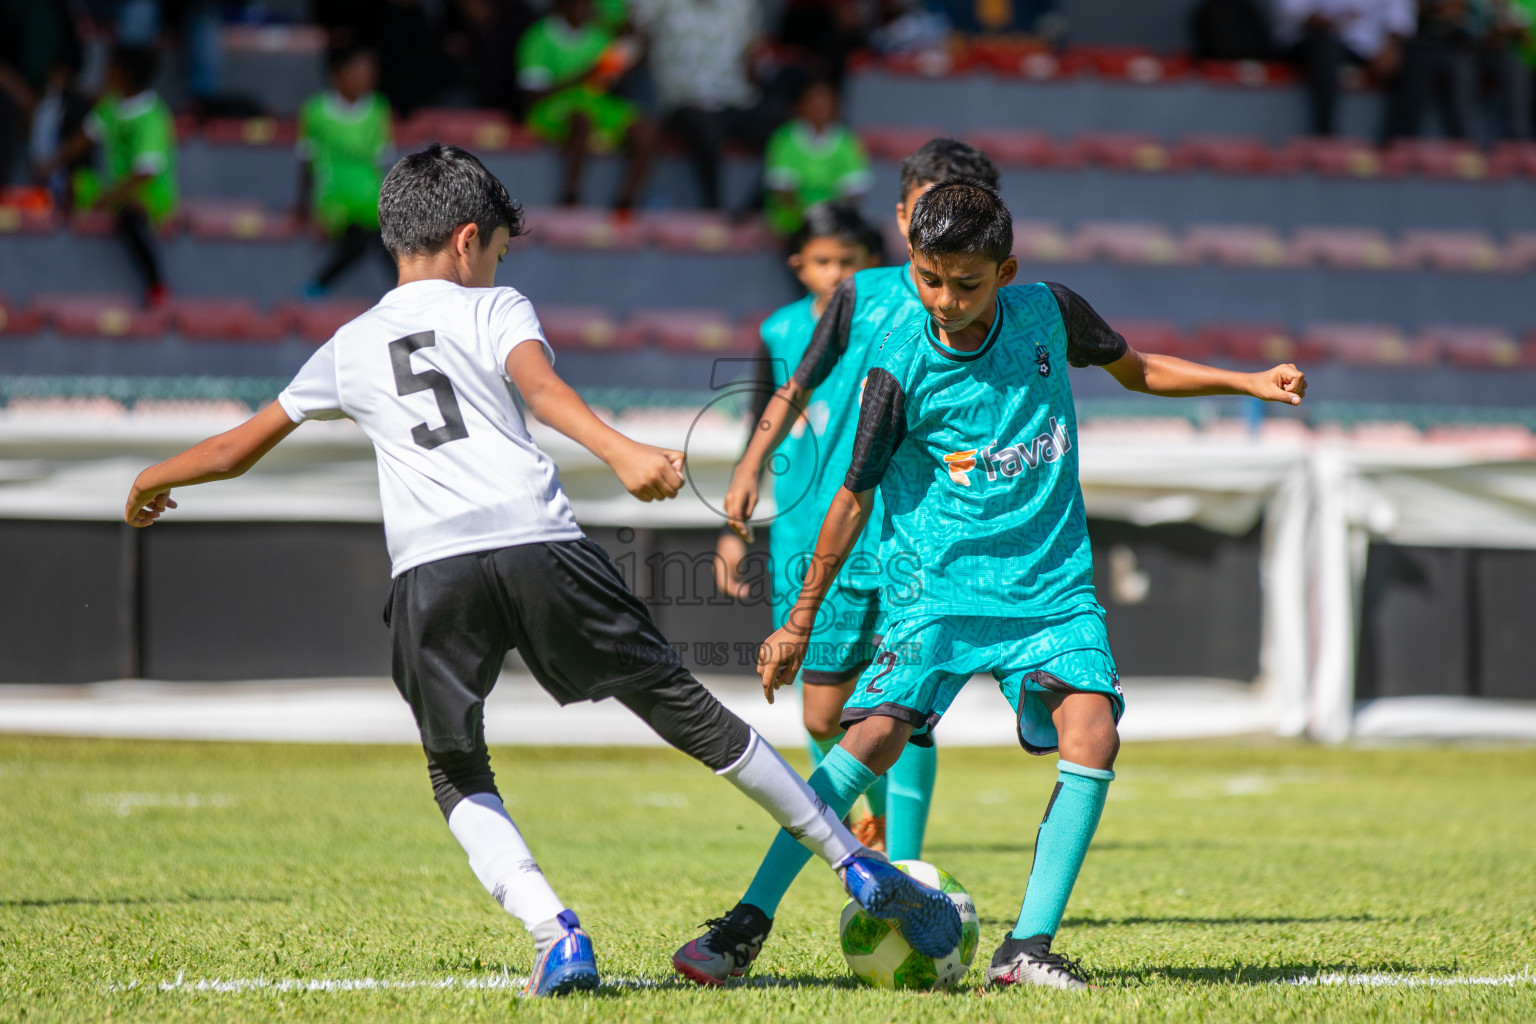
(145, 506)
(729, 551)
(1284, 383)
(741, 501)
(779, 659)
(649, 473)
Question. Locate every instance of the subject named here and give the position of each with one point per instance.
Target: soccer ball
(878, 956)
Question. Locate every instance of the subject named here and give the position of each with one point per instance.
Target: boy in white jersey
(487, 555)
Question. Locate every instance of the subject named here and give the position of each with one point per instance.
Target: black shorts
(561, 604)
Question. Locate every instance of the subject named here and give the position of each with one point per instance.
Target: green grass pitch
(212, 882)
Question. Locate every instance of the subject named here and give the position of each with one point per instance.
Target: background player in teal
(842, 349)
(967, 429)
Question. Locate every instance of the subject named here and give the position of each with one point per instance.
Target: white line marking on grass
(1525, 977)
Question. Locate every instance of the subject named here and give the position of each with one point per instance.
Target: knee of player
(877, 741)
(823, 725)
(1087, 732)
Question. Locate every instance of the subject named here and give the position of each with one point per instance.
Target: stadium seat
(1344, 248)
(588, 328)
(1251, 73)
(1126, 243)
(1040, 240)
(1235, 154)
(1342, 157)
(694, 331)
(97, 316)
(1373, 345)
(1516, 157)
(27, 211)
(477, 130)
(946, 63)
(1520, 251)
(1503, 440)
(1162, 336)
(1024, 148)
(222, 220)
(316, 321)
(99, 223)
(1131, 63)
(707, 231)
(18, 319)
(250, 131)
(1131, 151)
(898, 142)
(579, 227)
(1014, 57)
(1447, 158)
(1479, 346)
(227, 319)
(1451, 250)
(1267, 344)
(1237, 245)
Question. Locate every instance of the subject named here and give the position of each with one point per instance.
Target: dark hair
(841, 221)
(957, 218)
(942, 160)
(136, 64)
(339, 56)
(873, 241)
(428, 195)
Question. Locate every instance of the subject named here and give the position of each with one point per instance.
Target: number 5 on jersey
(435, 381)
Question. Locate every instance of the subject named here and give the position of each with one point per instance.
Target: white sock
(501, 859)
(765, 777)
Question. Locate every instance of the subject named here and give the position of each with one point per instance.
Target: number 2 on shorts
(408, 383)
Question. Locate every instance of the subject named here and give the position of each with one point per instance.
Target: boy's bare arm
(226, 455)
(1169, 376)
(779, 660)
(647, 472)
(784, 406)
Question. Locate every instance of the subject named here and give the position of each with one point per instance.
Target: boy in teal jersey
(841, 351)
(344, 142)
(967, 433)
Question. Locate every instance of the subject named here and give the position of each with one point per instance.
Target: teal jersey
(841, 351)
(975, 456)
(792, 468)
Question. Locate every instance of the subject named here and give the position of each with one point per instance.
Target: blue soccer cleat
(925, 917)
(569, 965)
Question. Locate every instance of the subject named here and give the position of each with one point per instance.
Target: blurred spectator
(344, 142)
(813, 158)
(35, 35)
(481, 34)
(1230, 30)
(1325, 35)
(567, 64)
(1439, 69)
(133, 126)
(1502, 30)
(825, 32)
(414, 67)
(58, 117)
(700, 59)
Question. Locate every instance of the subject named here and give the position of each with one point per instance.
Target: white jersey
(424, 374)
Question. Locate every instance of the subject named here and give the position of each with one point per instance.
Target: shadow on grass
(1131, 922)
(130, 901)
(1246, 974)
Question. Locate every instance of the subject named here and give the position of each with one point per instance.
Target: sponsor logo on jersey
(960, 465)
(1009, 461)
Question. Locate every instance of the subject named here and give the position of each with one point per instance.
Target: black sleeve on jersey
(830, 339)
(882, 428)
(762, 383)
(1090, 341)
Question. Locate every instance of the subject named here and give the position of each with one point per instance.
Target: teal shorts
(922, 663)
(845, 636)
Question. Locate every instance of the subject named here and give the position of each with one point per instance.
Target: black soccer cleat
(727, 950)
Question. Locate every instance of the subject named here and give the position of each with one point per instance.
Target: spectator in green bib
(344, 145)
(133, 126)
(567, 64)
(813, 158)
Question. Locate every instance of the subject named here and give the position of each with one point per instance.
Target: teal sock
(818, 748)
(1070, 820)
(911, 791)
(839, 781)
(876, 795)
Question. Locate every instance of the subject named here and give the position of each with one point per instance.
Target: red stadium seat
(1131, 63)
(897, 143)
(98, 316)
(1448, 158)
(1267, 344)
(250, 131)
(1251, 73)
(1164, 337)
(707, 231)
(17, 319)
(589, 329)
(1015, 58)
(1345, 248)
(1520, 252)
(1373, 345)
(244, 220)
(27, 211)
(1516, 157)
(1479, 346)
(1451, 250)
(694, 331)
(476, 130)
(1347, 158)
(1237, 245)
(579, 227)
(1131, 151)
(1040, 240)
(99, 223)
(930, 63)
(1235, 154)
(1126, 243)
(227, 319)
(1024, 148)
(316, 321)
